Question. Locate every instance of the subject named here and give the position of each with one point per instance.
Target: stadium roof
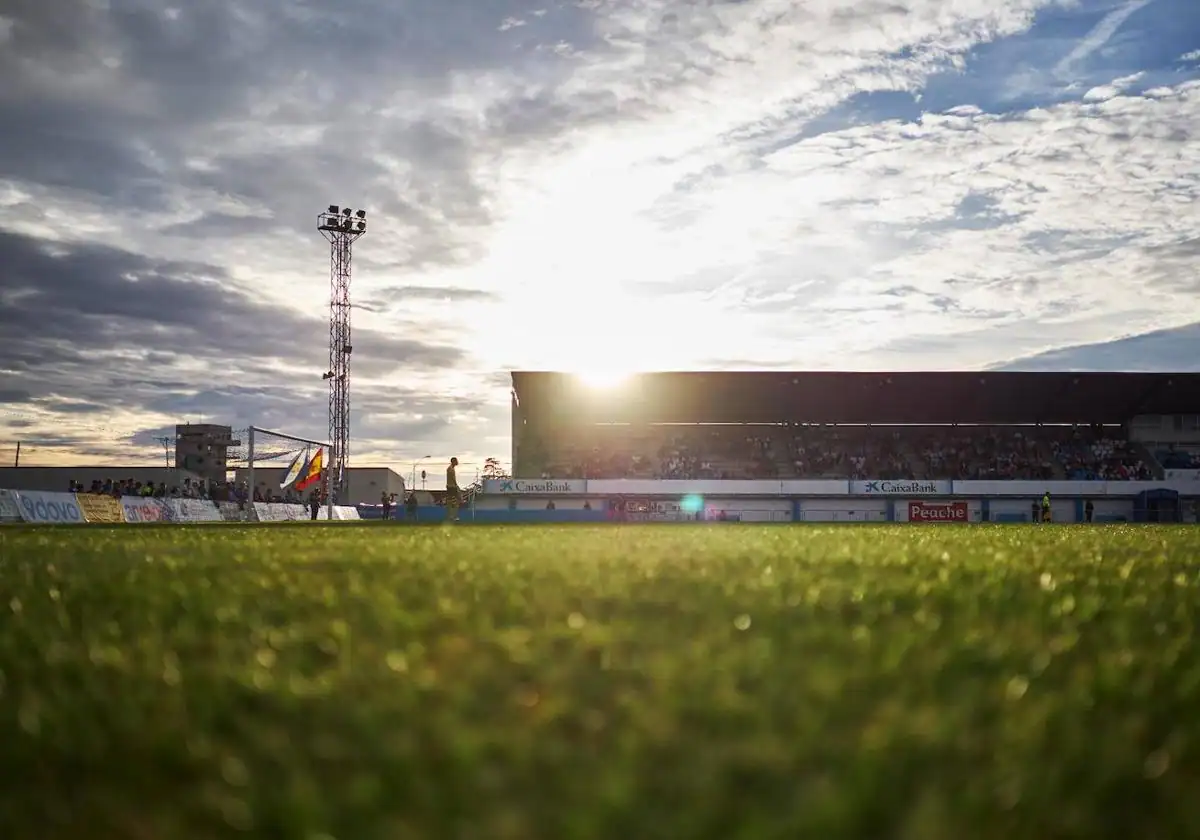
(879, 398)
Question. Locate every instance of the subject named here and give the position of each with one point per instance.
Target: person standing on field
(452, 491)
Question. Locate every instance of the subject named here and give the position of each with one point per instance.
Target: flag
(312, 472)
(294, 469)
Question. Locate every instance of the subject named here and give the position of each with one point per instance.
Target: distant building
(203, 449)
(364, 484)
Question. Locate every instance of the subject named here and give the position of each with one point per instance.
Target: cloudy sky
(589, 185)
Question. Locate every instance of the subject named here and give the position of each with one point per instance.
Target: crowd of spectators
(1179, 458)
(226, 491)
(849, 452)
(1087, 457)
(856, 452)
(983, 453)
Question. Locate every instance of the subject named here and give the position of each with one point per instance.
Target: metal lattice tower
(341, 227)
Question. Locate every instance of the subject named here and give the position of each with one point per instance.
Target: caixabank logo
(889, 487)
(520, 485)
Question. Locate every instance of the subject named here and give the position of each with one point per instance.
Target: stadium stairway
(917, 467)
(1147, 455)
(1046, 452)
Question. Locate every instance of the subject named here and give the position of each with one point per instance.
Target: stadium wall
(828, 501)
(556, 489)
(579, 501)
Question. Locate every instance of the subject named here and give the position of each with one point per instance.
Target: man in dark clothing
(1088, 510)
(314, 504)
(386, 501)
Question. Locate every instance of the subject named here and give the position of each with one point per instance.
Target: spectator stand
(977, 426)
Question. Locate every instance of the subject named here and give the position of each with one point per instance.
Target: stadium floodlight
(339, 227)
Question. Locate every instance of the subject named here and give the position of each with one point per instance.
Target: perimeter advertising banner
(49, 508)
(535, 486)
(939, 512)
(903, 487)
(138, 509)
(10, 509)
(98, 508)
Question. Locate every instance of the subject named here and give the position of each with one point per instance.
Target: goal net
(278, 467)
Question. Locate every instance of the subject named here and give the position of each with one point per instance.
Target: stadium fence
(43, 507)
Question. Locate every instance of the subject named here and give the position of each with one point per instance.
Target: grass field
(623, 682)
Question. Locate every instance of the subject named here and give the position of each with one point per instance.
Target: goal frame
(325, 480)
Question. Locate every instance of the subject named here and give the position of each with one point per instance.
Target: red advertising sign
(938, 512)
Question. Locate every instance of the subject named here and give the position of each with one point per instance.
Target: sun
(602, 380)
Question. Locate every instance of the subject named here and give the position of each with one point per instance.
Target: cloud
(1099, 36)
(1160, 350)
(395, 295)
(92, 330)
(628, 183)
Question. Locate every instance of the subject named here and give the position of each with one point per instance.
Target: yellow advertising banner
(100, 508)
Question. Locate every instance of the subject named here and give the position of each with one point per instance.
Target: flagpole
(328, 489)
(250, 465)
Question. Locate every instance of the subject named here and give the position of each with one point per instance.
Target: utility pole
(166, 442)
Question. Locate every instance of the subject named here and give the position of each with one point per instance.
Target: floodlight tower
(341, 227)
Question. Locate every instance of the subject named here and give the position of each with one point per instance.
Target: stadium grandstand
(766, 425)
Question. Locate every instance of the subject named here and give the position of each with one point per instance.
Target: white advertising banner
(346, 513)
(1071, 488)
(10, 509)
(904, 487)
(141, 509)
(39, 506)
(279, 512)
(236, 512)
(535, 486)
(193, 510)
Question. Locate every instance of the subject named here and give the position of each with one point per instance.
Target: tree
(491, 469)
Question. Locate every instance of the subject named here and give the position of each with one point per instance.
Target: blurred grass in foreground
(642, 682)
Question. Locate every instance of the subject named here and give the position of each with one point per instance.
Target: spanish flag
(312, 472)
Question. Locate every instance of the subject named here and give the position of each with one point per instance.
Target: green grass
(629, 682)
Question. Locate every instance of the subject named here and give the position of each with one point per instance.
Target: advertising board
(140, 509)
(98, 508)
(193, 510)
(45, 507)
(904, 487)
(10, 510)
(280, 512)
(541, 486)
(939, 512)
(236, 512)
